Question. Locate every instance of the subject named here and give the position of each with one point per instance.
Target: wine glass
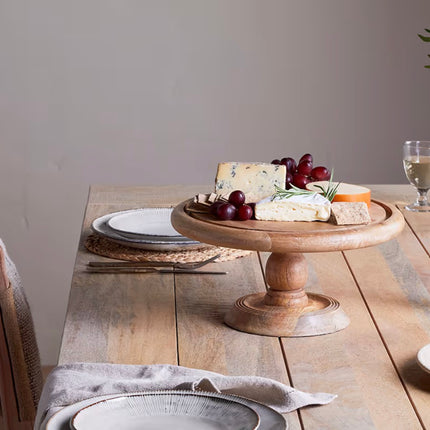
(416, 162)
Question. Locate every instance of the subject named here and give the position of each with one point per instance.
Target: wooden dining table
(179, 319)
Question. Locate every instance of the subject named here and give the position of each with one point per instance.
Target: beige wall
(159, 91)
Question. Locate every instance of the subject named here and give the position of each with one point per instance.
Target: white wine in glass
(416, 162)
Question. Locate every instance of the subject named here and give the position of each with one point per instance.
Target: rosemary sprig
(328, 192)
(331, 189)
(293, 191)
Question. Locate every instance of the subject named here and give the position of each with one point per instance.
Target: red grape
(276, 161)
(236, 198)
(244, 212)
(288, 180)
(290, 163)
(304, 168)
(306, 157)
(300, 180)
(214, 207)
(252, 206)
(320, 173)
(226, 211)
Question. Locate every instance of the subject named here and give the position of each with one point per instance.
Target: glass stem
(422, 197)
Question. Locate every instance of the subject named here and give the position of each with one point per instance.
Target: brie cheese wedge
(295, 208)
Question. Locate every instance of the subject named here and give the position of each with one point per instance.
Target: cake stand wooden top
(286, 236)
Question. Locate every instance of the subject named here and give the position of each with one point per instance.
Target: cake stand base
(322, 315)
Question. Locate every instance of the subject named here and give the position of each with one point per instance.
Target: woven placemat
(102, 246)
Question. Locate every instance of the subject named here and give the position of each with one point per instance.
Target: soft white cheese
(296, 208)
(256, 180)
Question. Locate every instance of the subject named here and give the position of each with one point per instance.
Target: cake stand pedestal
(285, 309)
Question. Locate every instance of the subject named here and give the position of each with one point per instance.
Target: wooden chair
(20, 370)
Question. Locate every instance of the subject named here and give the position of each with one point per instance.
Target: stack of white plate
(146, 228)
(167, 410)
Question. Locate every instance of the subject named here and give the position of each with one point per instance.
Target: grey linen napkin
(71, 383)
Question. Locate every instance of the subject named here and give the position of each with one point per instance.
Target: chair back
(20, 369)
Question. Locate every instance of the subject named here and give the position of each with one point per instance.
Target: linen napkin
(71, 383)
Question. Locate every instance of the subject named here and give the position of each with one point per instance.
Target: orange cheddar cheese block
(345, 192)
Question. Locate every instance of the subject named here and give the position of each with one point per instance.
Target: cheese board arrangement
(287, 216)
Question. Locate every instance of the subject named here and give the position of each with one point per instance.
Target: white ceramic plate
(156, 243)
(269, 418)
(166, 411)
(145, 221)
(423, 357)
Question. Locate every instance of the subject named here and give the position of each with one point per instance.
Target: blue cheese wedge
(256, 180)
(312, 207)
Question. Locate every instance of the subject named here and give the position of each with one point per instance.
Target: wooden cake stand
(286, 309)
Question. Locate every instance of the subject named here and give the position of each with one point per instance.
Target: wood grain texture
(277, 312)
(276, 236)
(352, 363)
(420, 225)
(205, 342)
(120, 318)
(403, 318)
(371, 365)
(396, 194)
(399, 301)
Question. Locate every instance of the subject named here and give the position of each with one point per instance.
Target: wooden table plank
(400, 195)
(396, 194)
(107, 318)
(112, 311)
(404, 320)
(352, 363)
(420, 225)
(206, 342)
(371, 365)
(399, 300)
(140, 196)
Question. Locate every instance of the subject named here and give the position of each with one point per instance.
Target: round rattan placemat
(101, 246)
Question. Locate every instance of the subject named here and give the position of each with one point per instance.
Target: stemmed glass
(416, 162)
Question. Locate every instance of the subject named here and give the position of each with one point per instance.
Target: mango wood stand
(286, 309)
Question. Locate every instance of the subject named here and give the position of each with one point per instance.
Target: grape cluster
(301, 173)
(234, 208)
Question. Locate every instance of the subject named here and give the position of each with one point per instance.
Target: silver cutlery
(149, 264)
(120, 270)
